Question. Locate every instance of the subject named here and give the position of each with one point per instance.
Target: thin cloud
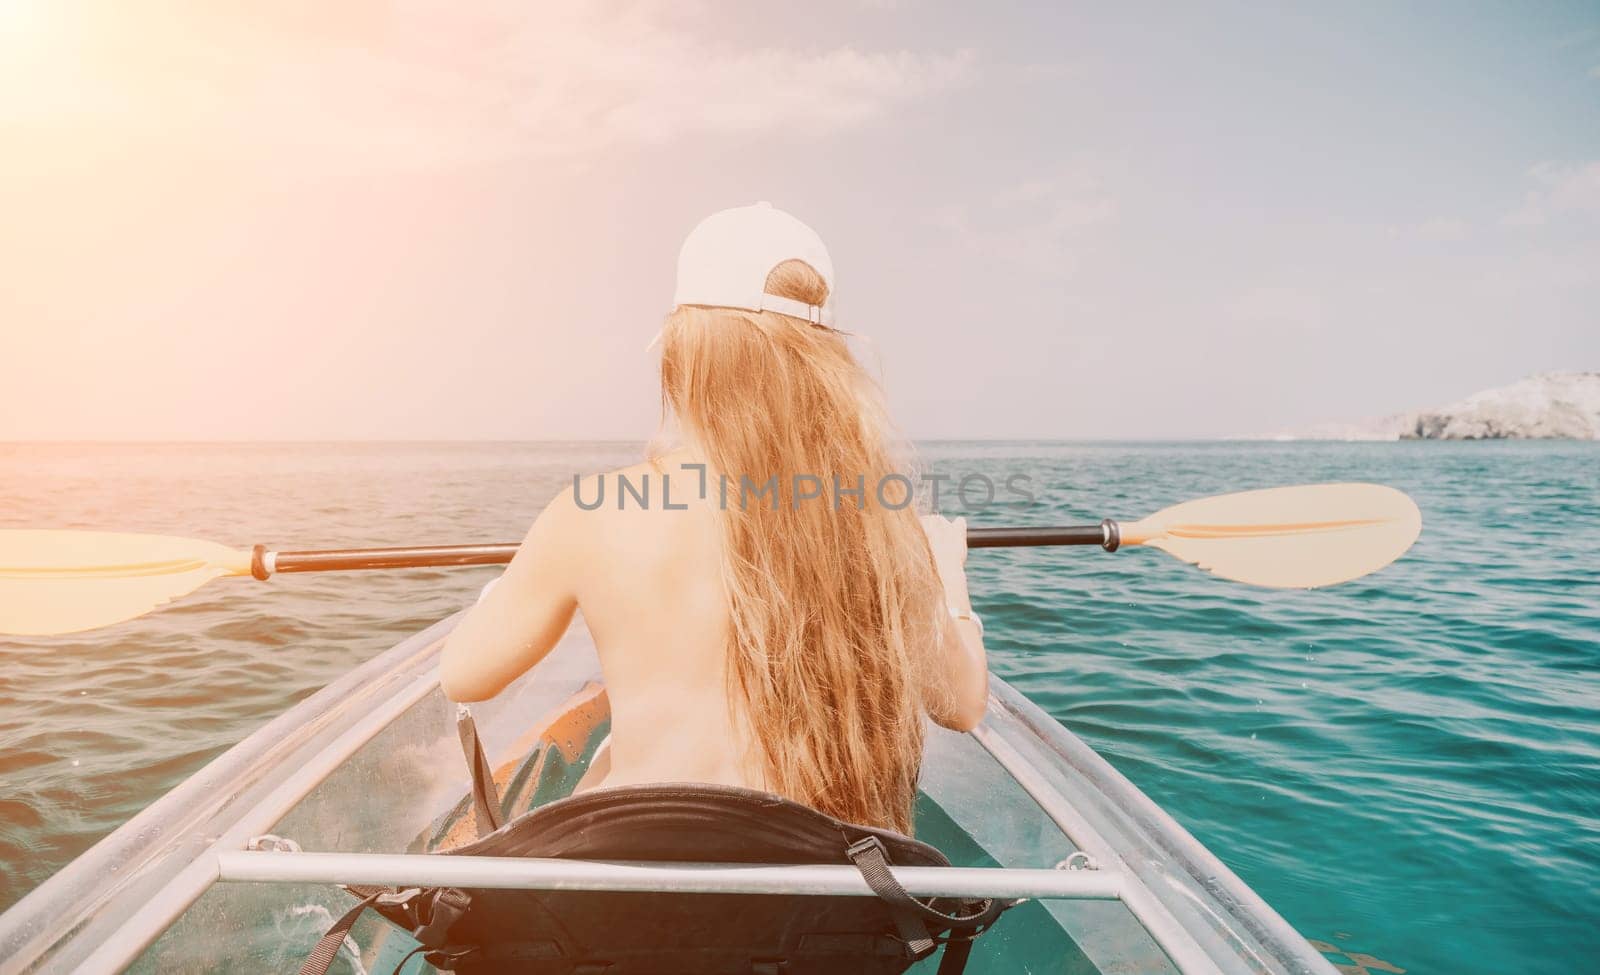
(1276, 308)
(434, 82)
(1039, 224)
(1577, 38)
(1436, 230)
(1558, 189)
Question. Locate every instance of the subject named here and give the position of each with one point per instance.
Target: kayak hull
(370, 766)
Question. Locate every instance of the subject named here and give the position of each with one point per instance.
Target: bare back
(647, 578)
(647, 575)
(652, 595)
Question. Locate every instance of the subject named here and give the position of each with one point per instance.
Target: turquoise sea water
(1407, 766)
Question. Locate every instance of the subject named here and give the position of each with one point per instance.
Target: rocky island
(1548, 405)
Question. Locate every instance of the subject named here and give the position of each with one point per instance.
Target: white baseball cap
(725, 261)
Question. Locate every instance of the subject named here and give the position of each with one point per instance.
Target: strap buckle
(398, 898)
(866, 844)
(449, 904)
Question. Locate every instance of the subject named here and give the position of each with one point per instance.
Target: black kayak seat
(574, 932)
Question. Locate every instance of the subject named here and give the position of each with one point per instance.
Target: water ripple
(1407, 765)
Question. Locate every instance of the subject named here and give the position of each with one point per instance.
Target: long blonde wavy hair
(836, 609)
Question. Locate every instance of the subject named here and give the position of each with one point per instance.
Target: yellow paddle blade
(1288, 538)
(66, 581)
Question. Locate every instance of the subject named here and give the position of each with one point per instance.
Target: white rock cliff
(1549, 405)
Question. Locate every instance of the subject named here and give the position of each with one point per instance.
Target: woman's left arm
(522, 617)
(962, 698)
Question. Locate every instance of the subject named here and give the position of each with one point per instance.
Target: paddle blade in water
(1288, 538)
(66, 581)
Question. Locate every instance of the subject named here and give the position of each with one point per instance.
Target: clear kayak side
(372, 765)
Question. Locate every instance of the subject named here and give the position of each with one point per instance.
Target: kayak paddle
(1291, 537)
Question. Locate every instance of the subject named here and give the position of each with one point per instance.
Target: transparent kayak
(236, 869)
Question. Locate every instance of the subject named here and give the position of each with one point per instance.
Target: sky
(354, 219)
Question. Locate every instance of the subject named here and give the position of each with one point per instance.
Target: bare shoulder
(659, 484)
(566, 525)
(593, 505)
(630, 515)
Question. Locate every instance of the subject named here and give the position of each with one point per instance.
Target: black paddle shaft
(264, 563)
(1106, 535)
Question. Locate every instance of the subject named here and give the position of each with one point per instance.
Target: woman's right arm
(522, 617)
(962, 695)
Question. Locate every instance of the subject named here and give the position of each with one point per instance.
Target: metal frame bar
(518, 873)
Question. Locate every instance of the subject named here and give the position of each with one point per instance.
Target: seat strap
(327, 948)
(956, 951)
(868, 855)
(912, 917)
(485, 799)
(414, 952)
(444, 905)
